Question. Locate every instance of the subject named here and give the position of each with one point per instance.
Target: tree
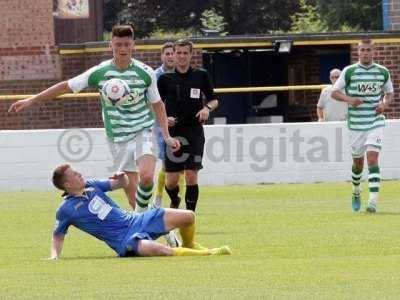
(141, 14)
(211, 20)
(241, 16)
(308, 19)
(244, 16)
(362, 14)
(149, 16)
(111, 9)
(257, 16)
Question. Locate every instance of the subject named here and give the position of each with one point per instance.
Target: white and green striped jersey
(368, 83)
(123, 122)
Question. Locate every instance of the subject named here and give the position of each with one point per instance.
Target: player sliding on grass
(87, 207)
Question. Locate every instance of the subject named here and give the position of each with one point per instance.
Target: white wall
(234, 154)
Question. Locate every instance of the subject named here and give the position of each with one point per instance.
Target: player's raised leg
(146, 165)
(152, 248)
(185, 220)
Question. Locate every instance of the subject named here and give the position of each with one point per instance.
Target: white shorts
(362, 141)
(126, 154)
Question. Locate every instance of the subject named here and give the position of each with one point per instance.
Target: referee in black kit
(183, 91)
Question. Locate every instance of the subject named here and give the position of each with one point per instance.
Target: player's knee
(358, 163)
(146, 178)
(191, 178)
(190, 218)
(191, 181)
(372, 161)
(172, 182)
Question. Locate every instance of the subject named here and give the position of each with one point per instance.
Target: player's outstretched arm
(52, 92)
(119, 180)
(56, 246)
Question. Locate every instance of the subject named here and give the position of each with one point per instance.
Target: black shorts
(190, 155)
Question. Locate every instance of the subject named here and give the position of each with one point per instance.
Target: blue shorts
(161, 142)
(146, 226)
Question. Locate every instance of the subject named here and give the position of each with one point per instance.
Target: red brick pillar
(27, 47)
(394, 14)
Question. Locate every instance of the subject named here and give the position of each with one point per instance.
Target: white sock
(356, 189)
(373, 197)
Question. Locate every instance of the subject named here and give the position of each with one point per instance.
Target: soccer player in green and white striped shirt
(128, 125)
(368, 91)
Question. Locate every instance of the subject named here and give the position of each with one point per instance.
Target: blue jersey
(96, 214)
(160, 70)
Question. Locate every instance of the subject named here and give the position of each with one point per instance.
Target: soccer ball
(115, 91)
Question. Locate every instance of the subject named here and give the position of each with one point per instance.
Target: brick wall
(303, 107)
(27, 48)
(304, 61)
(306, 66)
(26, 25)
(85, 113)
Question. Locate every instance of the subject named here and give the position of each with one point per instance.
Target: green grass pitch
(288, 242)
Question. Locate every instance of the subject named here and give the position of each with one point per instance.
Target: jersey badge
(195, 93)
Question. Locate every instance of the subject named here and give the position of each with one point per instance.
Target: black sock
(191, 196)
(173, 195)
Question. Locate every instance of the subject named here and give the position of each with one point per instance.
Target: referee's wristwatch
(209, 107)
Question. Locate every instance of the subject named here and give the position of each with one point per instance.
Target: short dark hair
(183, 43)
(166, 46)
(122, 31)
(59, 176)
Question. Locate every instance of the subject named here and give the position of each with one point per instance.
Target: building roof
(248, 41)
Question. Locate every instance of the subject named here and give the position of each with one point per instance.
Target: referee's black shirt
(183, 94)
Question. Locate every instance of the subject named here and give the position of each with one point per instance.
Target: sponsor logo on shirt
(99, 207)
(134, 97)
(367, 88)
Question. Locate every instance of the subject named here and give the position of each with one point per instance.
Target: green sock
(356, 175)
(374, 181)
(143, 196)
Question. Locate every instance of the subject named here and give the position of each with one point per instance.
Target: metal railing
(217, 90)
